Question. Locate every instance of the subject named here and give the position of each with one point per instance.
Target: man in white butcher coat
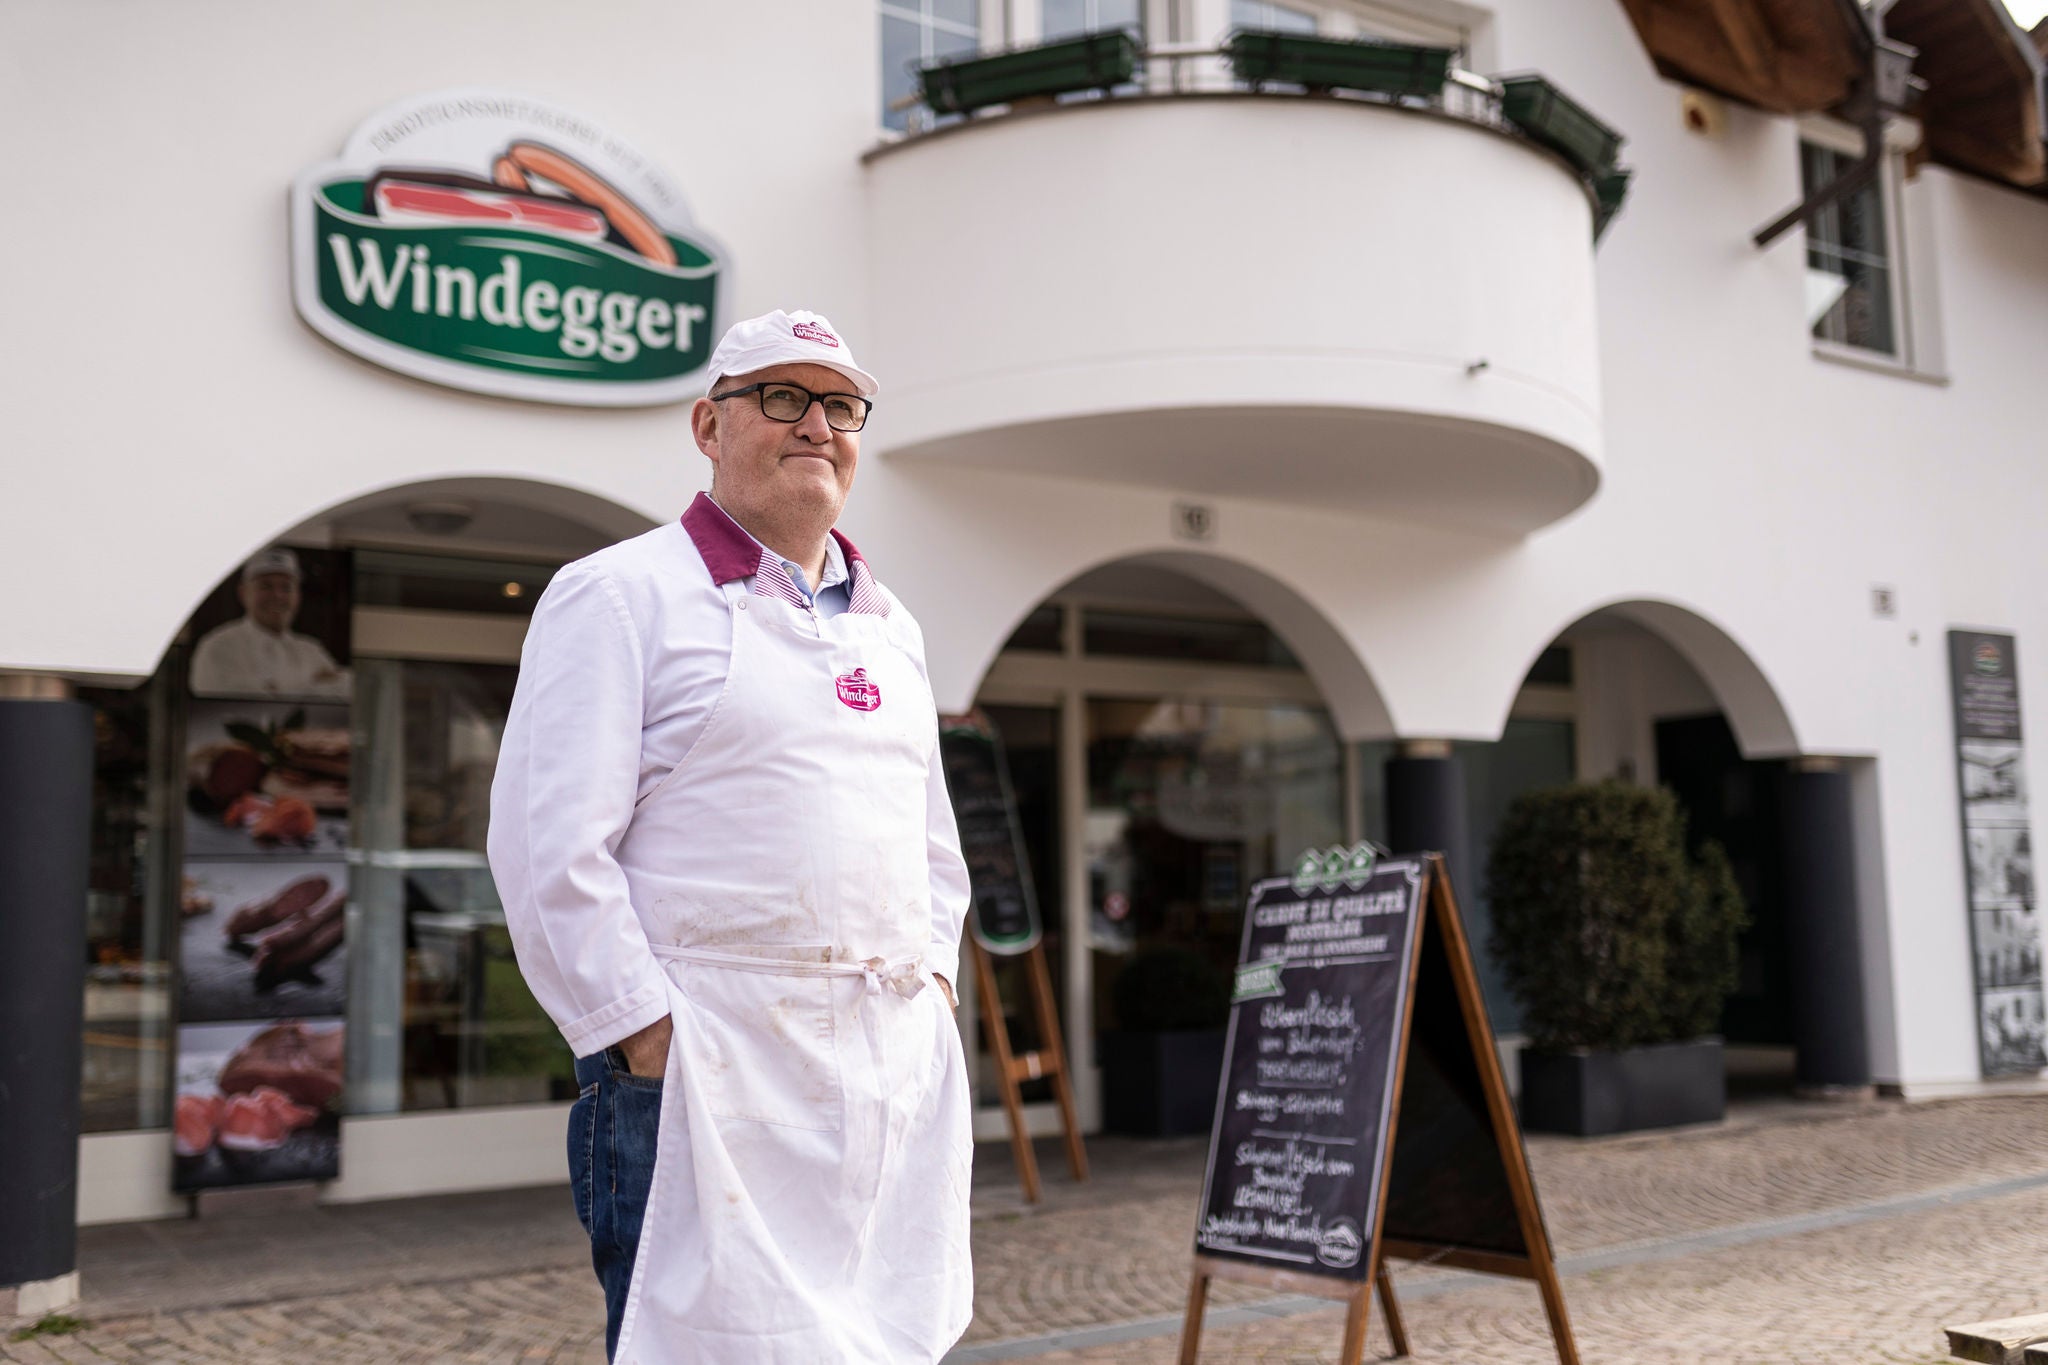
(722, 836)
(258, 653)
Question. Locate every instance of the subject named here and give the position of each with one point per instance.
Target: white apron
(809, 1202)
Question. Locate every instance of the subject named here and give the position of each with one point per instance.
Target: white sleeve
(950, 893)
(211, 673)
(568, 776)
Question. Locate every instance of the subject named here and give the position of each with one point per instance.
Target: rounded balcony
(1344, 303)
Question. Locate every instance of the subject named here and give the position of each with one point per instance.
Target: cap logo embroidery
(856, 691)
(805, 331)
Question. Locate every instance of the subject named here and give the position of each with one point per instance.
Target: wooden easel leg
(1553, 1308)
(1357, 1315)
(1062, 1079)
(1006, 1077)
(1191, 1325)
(1397, 1331)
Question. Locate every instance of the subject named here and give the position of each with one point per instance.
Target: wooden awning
(1982, 110)
(1788, 56)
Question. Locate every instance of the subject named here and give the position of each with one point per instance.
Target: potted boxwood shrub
(1621, 948)
(1161, 1065)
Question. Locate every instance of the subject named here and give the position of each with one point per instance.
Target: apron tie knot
(900, 977)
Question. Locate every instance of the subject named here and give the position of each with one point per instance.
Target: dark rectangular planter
(1588, 1094)
(1547, 115)
(1366, 65)
(1160, 1084)
(1610, 188)
(1093, 61)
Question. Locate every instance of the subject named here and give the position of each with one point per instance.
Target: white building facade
(1230, 444)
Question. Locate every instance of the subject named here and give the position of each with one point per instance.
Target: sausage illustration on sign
(587, 208)
(582, 183)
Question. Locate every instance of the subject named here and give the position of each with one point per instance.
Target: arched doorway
(394, 624)
(1168, 745)
(1659, 695)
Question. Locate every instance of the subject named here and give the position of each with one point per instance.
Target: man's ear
(704, 427)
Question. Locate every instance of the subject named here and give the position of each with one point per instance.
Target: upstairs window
(1262, 14)
(1850, 280)
(1071, 18)
(917, 33)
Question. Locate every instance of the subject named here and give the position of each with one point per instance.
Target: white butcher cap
(274, 560)
(779, 338)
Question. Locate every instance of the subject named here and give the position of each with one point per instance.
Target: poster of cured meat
(264, 901)
(266, 779)
(263, 940)
(257, 1104)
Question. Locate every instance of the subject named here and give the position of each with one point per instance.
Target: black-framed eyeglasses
(785, 402)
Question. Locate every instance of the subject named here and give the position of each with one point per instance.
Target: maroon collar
(729, 552)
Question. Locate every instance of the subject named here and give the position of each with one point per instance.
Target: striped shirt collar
(730, 553)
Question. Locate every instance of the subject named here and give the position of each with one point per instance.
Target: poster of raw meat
(278, 626)
(266, 779)
(1998, 851)
(257, 1104)
(262, 940)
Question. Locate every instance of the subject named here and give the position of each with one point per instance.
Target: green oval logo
(492, 243)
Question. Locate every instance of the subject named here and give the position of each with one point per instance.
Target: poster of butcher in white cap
(258, 1104)
(278, 627)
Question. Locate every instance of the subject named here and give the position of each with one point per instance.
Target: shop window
(1850, 279)
(1043, 631)
(1189, 803)
(438, 583)
(1069, 18)
(1185, 639)
(1531, 753)
(441, 1017)
(1553, 668)
(127, 1007)
(1031, 749)
(1263, 14)
(915, 33)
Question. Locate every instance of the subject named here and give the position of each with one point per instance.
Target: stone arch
(1356, 704)
(510, 510)
(1753, 704)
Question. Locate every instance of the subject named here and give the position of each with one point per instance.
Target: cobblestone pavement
(503, 1277)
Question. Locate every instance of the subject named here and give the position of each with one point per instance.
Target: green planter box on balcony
(1259, 58)
(1094, 61)
(1609, 189)
(1546, 115)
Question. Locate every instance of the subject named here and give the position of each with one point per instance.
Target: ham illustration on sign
(494, 243)
(856, 691)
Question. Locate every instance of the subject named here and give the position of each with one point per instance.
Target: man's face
(771, 467)
(272, 600)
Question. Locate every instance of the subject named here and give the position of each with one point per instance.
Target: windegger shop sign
(494, 243)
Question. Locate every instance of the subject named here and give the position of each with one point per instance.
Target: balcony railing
(1112, 65)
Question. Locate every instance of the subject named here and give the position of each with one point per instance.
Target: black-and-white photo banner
(2005, 923)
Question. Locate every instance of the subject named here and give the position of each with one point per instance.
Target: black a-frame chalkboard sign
(1363, 1114)
(1002, 922)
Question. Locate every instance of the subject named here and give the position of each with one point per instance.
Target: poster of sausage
(262, 940)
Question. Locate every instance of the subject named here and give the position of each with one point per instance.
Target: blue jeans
(612, 1128)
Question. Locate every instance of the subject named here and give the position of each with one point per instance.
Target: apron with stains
(809, 1200)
